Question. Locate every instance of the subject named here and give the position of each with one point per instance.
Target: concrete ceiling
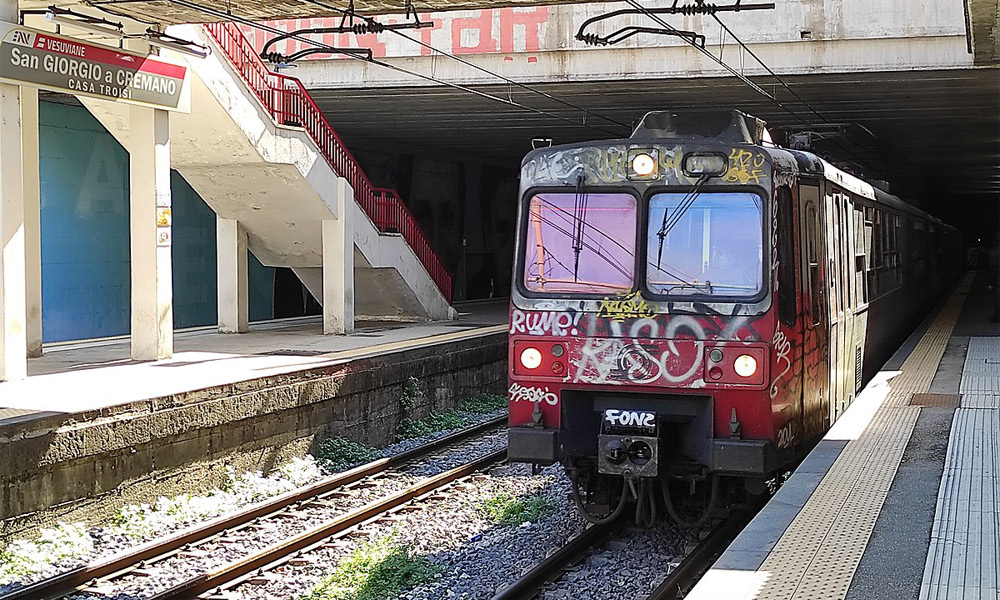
(937, 133)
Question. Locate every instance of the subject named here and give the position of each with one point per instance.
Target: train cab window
(709, 245)
(862, 234)
(580, 243)
(786, 257)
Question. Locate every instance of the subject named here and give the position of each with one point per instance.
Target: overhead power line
(333, 49)
(482, 69)
(750, 83)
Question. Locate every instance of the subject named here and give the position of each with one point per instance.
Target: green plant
(411, 393)
(505, 509)
(376, 570)
(434, 422)
(484, 403)
(337, 453)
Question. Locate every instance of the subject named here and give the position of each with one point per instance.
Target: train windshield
(707, 245)
(580, 243)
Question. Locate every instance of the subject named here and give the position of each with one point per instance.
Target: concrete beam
(983, 21)
(233, 276)
(338, 264)
(150, 234)
(538, 45)
(32, 219)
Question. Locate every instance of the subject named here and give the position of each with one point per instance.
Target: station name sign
(40, 59)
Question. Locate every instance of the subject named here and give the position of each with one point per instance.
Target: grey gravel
(108, 542)
(476, 556)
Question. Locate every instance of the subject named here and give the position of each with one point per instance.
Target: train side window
(812, 257)
(861, 236)
(786, 258)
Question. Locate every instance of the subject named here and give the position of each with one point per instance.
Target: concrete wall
(538, 44)
(85, 252)
(87, 465)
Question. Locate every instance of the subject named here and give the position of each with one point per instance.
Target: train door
(815, 314)
(839, 308)
(847, 261)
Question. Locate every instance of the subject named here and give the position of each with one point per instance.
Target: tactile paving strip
(816, 557)
(981, 373)
(963, 560)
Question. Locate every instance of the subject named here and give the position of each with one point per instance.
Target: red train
(693, 304)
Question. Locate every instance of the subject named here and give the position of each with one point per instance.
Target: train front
(641, 327)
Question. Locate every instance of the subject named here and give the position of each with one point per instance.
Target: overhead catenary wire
(747, 81)
(333, 49)
(784, 84)
(482, 69)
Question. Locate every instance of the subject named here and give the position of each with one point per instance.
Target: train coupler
(628, 443)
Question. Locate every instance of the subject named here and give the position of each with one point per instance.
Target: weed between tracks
(504, 509)
(376, 570)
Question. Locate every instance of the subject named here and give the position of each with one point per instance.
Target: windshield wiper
(682, 207)
(579, 219)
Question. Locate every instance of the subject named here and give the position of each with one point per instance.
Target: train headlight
(643, 165)
(531, 358)
(745, 365)
(698, 164)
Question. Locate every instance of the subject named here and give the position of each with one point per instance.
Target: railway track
(533, 583)
(142, 561)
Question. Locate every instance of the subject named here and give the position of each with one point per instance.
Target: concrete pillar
(32, 219)
(338, 264)
(150, 234)
(233, 276)
(13, 340)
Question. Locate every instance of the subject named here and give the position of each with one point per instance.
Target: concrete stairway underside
(276, 183)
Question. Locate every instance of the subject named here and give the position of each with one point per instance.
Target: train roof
(806, 163)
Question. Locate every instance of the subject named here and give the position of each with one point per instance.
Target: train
(694, 306)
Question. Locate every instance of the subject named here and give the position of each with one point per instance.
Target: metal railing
(290, 104)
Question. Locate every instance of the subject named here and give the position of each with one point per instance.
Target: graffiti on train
(557, 323)
(624, 306)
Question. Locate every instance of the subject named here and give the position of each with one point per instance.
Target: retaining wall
(83, 466)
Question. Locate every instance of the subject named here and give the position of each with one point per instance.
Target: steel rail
(65, 583)
(695, 563)
(530, 584)
(213, 579)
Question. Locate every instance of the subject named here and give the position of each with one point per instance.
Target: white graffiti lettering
(545, 323)
(782, 348)
(629, 418)
(523, 393)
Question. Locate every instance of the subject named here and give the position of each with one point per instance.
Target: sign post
(40, 59)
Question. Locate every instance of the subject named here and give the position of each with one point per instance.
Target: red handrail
(290, 104)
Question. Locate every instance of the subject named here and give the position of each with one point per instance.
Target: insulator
(367, 27)
(698, 9)
(274, 57)
(593, 39)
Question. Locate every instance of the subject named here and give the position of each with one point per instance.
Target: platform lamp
(96, 25)
(165, 40)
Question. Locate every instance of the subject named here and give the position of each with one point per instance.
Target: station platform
(89, 424)
(900, 499)
(91, 375)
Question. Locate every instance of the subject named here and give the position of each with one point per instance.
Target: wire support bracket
(624, 33)
(350, 22)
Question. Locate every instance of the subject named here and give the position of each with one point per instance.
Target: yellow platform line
(817, 556)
